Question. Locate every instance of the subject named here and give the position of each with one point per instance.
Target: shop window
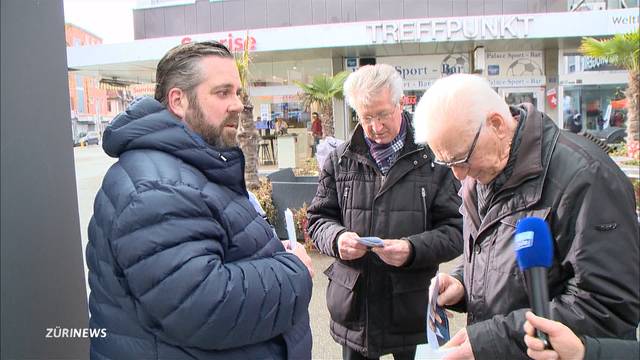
(80, 93)
(516, 98)
(625, 4)
(291, 112)
(594, 108)
(588, 5)
(571, 64)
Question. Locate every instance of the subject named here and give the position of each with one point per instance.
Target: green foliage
(618, 149)
(301, 222)
(263, 193)
(309, 168)
(243, 60)
(636, 190)
(621, 50)
(322, 90)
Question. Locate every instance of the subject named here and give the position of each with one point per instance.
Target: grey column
(43, 283)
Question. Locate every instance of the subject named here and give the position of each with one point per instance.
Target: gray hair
(365, 83)
(463, 100)
(180, 67)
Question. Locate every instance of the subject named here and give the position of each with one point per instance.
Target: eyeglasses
(382, 116)
(466, 158)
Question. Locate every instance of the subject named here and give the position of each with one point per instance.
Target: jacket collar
(358, 145)
(530, 164)
(411, 156)
(148, 125)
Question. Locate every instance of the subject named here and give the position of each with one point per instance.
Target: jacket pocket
(343, 299)
(503, 256)
(408, 302)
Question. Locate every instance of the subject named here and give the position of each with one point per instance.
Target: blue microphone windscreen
(533, 243)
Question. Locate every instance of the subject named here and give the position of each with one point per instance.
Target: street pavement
(91, 164)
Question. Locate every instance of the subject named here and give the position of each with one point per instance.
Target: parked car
(92, 138)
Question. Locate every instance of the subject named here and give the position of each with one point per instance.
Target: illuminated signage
(233, 43)
(486, 27)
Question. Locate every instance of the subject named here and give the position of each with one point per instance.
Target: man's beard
(220, 137)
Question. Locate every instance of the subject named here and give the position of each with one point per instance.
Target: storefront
(518, 76)
(418, 74)
(274, 94)
(592, 93)
(524, 56)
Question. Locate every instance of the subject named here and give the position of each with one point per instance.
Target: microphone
(534, 253)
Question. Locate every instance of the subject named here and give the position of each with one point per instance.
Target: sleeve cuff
(461, 306)
(482, 342)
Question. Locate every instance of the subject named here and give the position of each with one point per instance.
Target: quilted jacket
(181, 266)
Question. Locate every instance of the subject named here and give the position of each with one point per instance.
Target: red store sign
(409, 100)
(234, 44)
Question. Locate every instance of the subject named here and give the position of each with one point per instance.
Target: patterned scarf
(385, 155)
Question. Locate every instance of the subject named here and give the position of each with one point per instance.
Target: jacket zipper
(423, 193)
(345, 196)
(368, 278)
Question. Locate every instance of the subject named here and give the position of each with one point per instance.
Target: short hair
(464, 99)
(363, 84)
(180, 67)
(315, 113)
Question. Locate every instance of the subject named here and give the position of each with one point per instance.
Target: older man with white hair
(514, 162)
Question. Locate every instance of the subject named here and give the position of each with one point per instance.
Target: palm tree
(622, 50)
(320, 93)
(247, 134)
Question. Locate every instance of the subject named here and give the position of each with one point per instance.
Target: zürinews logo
(523, 240)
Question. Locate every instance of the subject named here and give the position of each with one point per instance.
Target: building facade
(93, 103)
(527, 49)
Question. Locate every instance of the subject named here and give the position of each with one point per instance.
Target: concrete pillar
(43, 282)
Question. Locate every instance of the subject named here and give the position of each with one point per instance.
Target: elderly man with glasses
(514, 162)
(380, 183)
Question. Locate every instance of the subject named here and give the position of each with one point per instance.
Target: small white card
(291, 229)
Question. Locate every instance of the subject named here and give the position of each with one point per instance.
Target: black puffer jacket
(594, 283)
(181, 266)
(377, 308)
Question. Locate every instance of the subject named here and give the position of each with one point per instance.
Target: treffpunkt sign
(470, 28)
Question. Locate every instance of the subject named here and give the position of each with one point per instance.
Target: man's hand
(460, 347)
(566, 345)
(348, 246)
(451, 290)
(301, 253)
(394, 252)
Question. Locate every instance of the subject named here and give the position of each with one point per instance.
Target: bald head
(467, 125)
(455, 106)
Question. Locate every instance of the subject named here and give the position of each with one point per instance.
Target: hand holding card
(437, 321)
(371, 241)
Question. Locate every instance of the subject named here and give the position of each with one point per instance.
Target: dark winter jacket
(181, 266)
(377, 308)
(594, 282)
(605, 349)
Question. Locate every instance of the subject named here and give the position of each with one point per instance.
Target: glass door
(515, 96)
